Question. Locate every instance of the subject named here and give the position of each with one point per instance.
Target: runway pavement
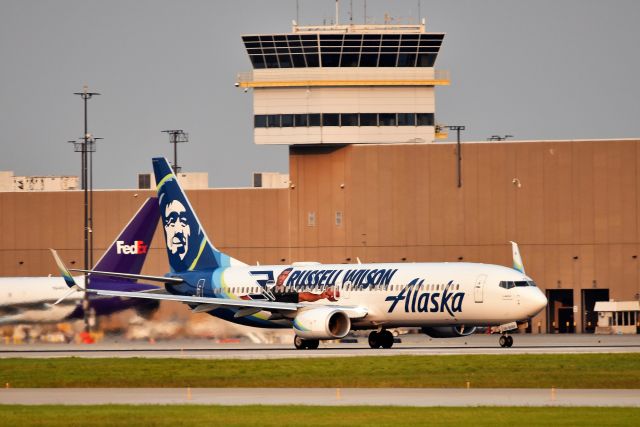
(322, 396)
(411, 345)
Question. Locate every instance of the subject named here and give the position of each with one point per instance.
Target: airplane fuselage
(394, 295)
(26, 300)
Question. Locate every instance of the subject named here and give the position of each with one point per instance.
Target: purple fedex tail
(128, 251)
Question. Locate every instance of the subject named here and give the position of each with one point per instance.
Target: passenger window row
(352, 287)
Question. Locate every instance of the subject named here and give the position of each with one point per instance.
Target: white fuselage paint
(474, 295)
(30, 299)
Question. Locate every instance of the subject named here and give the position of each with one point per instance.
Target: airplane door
(478, 289)
(200, 288)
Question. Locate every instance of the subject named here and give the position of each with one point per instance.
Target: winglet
(71, 283)
(517, 259)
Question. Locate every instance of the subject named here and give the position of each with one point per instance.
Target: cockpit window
(519, 283)
(507, 284)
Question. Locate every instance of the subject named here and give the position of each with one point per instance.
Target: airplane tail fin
(188, 246)
(517, 259)
(129, 250)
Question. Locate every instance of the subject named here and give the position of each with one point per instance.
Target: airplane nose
(538, 301)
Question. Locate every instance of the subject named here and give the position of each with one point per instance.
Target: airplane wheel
(387, 339)
(509, 341)
(302, 344)
(299, 343)
(503, 341)
(374, 339)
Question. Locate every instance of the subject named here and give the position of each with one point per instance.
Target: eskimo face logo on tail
(177, 229)
(423, 302)
(137, 248)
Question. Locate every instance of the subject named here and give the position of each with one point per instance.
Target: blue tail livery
(188, 246)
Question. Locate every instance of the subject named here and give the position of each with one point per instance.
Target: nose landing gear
(382, 339)
(505, 340)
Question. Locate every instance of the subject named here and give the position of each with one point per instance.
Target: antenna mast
(176, 136)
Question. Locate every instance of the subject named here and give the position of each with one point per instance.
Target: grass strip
(352, 416)
(482, 371)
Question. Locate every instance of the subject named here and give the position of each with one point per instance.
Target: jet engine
(448, 331)
(148, 309)
(322, 323)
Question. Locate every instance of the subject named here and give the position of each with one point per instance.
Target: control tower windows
(343, 50)
(312, 60)
(285, 61)
(349, 60)
(425, 119)
(349, 119)
(287, 120)
(260, 121)
(387, 119)
(314, 119)
(406, 119)
(330, 119)
(300, 120)
(388, 60)
(273, 120)
(343, 119)
(271, 61)
(298, 60)
(368, 119)
(406, 59)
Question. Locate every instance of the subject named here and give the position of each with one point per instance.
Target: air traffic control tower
(344, 84)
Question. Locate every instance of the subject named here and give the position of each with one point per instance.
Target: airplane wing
(202, 304)
(252, 306)
(162, 279)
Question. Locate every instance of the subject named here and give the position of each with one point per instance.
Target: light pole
(176, 136)
(458, 128)
(86, 95)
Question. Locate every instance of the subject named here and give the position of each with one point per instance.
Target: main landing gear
(302, 344)
(382, 339)
(505, 340)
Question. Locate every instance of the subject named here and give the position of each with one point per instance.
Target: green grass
(264, 416)
(503, 371)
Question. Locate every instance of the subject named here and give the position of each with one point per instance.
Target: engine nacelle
(147, 310)
(322, 323)
(448, 331)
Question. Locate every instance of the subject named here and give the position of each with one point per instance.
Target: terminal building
(369, 179)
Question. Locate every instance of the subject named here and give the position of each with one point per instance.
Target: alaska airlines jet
(31, 299)
(326, 301)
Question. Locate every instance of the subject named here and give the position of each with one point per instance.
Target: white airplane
(326, 301)
(32, 299)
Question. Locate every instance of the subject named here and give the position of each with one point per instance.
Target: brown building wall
(572, 206)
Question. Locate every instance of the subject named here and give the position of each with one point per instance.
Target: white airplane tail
(517, 259)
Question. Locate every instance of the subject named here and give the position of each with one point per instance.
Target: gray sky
(545, 69)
